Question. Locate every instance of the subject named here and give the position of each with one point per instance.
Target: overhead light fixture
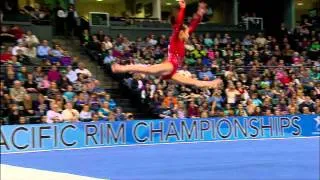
(99, 0)
(300, 3)
(168, 4)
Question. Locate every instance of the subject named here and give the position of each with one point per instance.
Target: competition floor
(274, 159)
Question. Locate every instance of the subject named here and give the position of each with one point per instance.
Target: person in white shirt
(71, 74)
(53, 116)
(21, 47)
(85, 114)
(70, 114)
(31, 39)
(82, 70)
(107, 43)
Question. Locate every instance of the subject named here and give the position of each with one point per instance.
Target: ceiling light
(300, 3)
(168, 4)
(99, 0)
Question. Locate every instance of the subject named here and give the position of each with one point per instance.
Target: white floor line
(156, 144)
(9, 172)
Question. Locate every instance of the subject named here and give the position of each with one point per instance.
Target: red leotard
(176, 50)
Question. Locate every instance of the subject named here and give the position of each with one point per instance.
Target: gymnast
(167, 70)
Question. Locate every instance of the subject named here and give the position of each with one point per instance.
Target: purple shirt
(54, 76)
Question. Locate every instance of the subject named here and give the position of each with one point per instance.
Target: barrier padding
(42, 137)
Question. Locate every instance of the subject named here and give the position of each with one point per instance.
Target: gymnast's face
(184, 33)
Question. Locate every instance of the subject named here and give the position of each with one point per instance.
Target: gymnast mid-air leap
(168, 69)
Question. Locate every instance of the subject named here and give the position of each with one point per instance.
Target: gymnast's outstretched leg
(157, 69)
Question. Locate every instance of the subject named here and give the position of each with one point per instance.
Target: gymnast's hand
(202, 8)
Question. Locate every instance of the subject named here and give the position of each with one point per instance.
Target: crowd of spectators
(263, 74)
(41, 82)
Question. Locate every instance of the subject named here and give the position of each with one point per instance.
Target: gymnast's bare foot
(117, 68)
(217, 83)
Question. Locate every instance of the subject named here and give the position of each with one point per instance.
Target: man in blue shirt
(43, 50)
(206, 74)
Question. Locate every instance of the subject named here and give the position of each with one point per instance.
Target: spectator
(28, 106)
(71, 20)
(170, 101)
(69, 95)
(71, 74)
(193, 111)
(206, 74)
(104, 111)
(82, 70)
(14, 114)
(18, 92)
(30, 85)
(43, 50)
(85, 38)
(53, 115)
(31, 39)
(41, 105)
(54, 74)
(21, 47)
(232, 94)
(70, 114)
(22, 120)
(119, 115)
(85, 114)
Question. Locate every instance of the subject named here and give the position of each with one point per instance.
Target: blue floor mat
(291, 159)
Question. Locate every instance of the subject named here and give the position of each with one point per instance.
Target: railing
(253, 21)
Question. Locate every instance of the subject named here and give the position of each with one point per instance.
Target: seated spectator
(71, 74)
(55, 54)
(85, 114)
(14, 114)
(44, 84)
(109, 59)
(30, 85)
(193, 110)
(19, 46)
(53, 115)
(85, 38)
(6, 55)
(22, 120)
(307, 103)
(170, 101)
(180, 110)
(41, 105)
(112, 103)
(54, 75)
(95, 117)
(16, 31)
(64, 83)
(23, 58)
(31, 39)
(18, 92)
(82, 70)
(6, 35)
(119, 115)
(94, 45)
(208, 40)
(28, 106)
(70, 114)
(217, 99)
(22, 74)
(104, 111)
(206, 74)
(69, 95)
(43, 50)
(53, 90)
